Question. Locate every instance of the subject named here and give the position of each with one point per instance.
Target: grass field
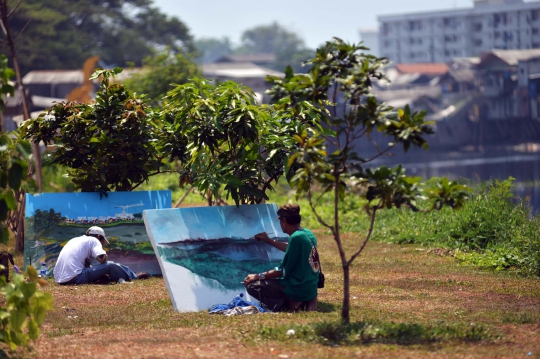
(426, 304)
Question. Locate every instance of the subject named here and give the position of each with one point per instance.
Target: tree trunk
(19, 236)
(26, 112)
(209, 197)
(345, 315)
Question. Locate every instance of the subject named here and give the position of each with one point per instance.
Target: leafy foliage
(13, 168)
(159, 73)
(210, 49)
(288, 48)
(60, 34)
(24, 309)
(223, 138)
(6, 86)
(108, 145)
(493, 230)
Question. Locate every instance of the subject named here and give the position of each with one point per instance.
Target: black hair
(291, 213)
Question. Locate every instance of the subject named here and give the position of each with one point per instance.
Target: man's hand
(263, 236)
(251, 278)
(102, 258)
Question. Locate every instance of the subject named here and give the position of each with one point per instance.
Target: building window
(449, 22)
(477, 26)
(415, 25)
(534, 15)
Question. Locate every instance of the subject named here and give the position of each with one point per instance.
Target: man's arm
(271, 274)
(263, 237)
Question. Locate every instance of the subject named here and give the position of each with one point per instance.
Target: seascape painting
(206, 252)
(52, 219)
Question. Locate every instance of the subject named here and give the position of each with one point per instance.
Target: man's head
(290, 213)
(97, 232)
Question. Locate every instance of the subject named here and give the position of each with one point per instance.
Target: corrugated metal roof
(512, 57)
(45, 102)
(53, 77)
(463, 75)
(237, 70)
(247, 58)
(423, 68)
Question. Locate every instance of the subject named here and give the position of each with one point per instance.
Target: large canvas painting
(206, 252)
(52, 219)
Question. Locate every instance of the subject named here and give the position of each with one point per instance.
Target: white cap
(97, 230)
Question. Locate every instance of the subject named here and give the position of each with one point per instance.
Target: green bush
(24, 309)
(494, 229)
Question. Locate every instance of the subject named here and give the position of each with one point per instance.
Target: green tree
(209, 49)
(109, 145)
(23, 306)
(223, 139)
(338, 84)
(46, 219)
(159, 73)
(288, 47)
(60, 34)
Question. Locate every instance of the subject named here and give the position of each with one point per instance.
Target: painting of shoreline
(52, 219)
(206, 252)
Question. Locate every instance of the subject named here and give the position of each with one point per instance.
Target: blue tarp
(238, 301)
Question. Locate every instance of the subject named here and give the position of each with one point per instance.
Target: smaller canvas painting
(52, 219)
(206, 252)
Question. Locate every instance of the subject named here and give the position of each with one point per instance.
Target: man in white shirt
(73, 263)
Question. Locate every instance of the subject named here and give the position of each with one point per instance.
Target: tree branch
(22, 30)
(15, 8)
(380, 153)
(321, 221)
(368, 236)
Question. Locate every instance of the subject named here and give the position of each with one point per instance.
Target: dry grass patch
(390, 284)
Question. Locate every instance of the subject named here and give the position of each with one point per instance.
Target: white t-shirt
(70, 262)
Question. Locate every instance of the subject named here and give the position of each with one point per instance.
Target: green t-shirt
(301, 266)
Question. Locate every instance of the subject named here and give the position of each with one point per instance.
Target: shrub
(494, 230)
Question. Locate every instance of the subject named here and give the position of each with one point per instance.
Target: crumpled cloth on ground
(252, 309)
(236, 307)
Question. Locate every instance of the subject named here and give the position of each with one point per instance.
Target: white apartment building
(370, 38)
(440, 36)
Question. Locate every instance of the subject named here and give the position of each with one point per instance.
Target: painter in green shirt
(294, 282)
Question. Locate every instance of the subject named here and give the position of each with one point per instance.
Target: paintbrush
(268, 234)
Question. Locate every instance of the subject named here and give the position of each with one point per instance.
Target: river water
(477, 167)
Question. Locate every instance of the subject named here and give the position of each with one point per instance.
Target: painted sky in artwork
(179, 224)
(84, 204)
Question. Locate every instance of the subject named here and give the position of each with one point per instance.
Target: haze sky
(316, 21)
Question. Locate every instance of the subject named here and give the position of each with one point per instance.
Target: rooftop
(255, 58)
(237, 70)
(511, 57)
(423, 68)
(53, 77)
